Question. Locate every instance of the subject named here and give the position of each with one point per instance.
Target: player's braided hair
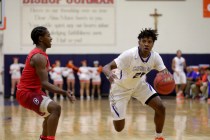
(36, 32)
(148, 33)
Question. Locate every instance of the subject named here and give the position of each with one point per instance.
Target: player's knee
(161, 108)
(119, 129)
(56, 109)
(119, 125)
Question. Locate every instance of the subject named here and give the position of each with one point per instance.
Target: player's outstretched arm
(39, 62)
(107, 70)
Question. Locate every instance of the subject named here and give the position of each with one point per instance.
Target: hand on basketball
(71, 96)
(165, 71)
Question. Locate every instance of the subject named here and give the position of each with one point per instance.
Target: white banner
(80, 24)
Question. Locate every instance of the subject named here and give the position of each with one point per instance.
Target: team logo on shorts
(36, 101)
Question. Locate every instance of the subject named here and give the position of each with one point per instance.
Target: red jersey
(29, 80)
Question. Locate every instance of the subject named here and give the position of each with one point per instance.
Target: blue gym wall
(191, 59)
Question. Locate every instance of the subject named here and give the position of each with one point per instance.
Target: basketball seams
(164, 83)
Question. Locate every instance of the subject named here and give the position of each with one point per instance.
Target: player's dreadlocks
(36, 32)
(148, 33)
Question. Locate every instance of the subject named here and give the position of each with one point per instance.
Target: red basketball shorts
(34, 100)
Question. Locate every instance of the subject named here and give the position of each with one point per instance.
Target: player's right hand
(71, 96)
(111, 77)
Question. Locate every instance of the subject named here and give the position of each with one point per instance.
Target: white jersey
(131, 68)
(69, 73)
(96, 77)
(57, 74)
(179, 64)
(15, 70)
(84, 73)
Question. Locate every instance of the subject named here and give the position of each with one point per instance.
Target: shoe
(202, 98)
(159, 138)
(180, 95)
(92, 97)
(88, 97)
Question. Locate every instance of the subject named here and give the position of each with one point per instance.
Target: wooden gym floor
(91, 120)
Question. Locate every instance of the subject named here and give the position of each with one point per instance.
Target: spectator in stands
(84, 74)
(191, 78)
(204, 88)
(200, 81)
(178, 66)
(96, 79)
(15, 71)
(56, 75)
(69, 74)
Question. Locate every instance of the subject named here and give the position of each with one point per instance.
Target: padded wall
(191, 59)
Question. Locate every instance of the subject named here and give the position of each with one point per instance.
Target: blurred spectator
(84, 74)
(69, 74)
(204, 88)
(15, 71)
(200, 81)
(96, 79)
(191, 79)
(56, 75)
(178, 66)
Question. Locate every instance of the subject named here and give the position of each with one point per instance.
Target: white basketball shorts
(119, 97)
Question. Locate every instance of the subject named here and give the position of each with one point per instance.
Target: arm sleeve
(123, 60)
(159, 65)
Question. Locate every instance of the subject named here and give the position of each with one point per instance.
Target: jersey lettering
(139, 74)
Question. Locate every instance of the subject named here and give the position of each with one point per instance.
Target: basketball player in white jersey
(129, 81)
(15, 71)
(178, 66)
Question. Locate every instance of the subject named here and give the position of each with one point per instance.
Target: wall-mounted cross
(155, 15)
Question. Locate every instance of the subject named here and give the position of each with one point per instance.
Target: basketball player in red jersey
(34, 78)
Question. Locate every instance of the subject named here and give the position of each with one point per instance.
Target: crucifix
(155, 15)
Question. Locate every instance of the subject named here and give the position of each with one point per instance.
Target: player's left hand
(71, 96)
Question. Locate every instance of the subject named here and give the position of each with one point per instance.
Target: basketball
(164, 83)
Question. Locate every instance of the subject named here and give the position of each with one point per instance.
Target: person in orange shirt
(69, 74)
(201, 79)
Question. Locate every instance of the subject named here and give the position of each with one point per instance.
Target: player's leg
(183, 80)
(118, 104)
(52, 121)
(44, 129)
(145, 93)
(52, 114)
(44, 106)
(159, 118)
(177, 81)
(119, 125)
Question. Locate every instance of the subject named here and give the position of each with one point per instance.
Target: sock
(158, 134)
(43, 137)
(50, 137)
